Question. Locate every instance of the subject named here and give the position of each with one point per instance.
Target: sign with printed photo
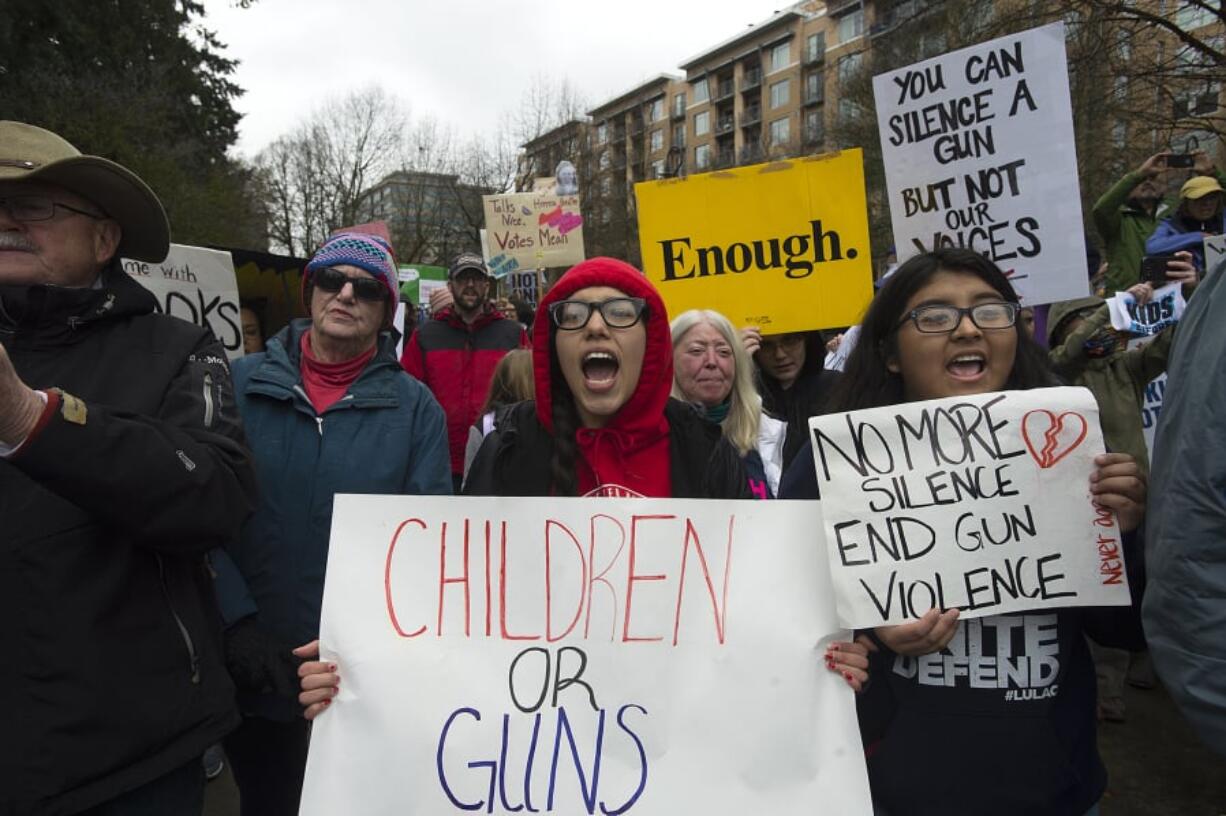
(979, 502)
(781, 246)
(636, 656)
(979, 152)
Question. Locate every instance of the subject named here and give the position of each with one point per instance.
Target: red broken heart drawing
(1058, 435)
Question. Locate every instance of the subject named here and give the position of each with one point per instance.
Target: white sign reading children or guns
(980, 502)
(639, 656)
(979, 152)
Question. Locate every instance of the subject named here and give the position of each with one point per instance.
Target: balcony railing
(725, 125)
(678, 111)
(723, 90)
(725, 158)
(751, 153)
(751, 116)
(815, 96)
(815, 135)
(751, 79)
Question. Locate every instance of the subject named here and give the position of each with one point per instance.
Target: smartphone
(1153, 269)
(1179, 160)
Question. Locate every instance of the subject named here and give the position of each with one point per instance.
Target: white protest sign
(979, 502)
(197, 285)
(640, 656)
(835, 360)
(979, 152)
(427, 287)
(1164, 309)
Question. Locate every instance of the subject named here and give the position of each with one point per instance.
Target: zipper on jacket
(193, 657)
(320, 422)
(208, 399)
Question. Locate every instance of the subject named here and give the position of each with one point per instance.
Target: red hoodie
(629, 456)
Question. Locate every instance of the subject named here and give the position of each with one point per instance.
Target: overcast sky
(463, 62)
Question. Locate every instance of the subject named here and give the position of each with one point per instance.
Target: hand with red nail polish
(320, 681)
(849, 660)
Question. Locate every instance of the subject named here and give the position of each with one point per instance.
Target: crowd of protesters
(165, 519)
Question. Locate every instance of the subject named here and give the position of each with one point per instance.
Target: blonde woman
(712, 370)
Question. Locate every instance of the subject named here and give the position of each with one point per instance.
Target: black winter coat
(112, 673)
(514, 459)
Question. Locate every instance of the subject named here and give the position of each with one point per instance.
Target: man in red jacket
(454, 353)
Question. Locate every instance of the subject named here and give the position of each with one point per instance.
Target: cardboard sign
(979, 152)
(580, 656)
(534, 229)
(197, 285)
(979, 502)
(780, 246)
(1164, 309)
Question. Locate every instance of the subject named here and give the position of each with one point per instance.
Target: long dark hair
(867, 381)
(562, 477)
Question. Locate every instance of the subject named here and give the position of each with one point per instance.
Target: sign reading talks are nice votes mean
(546, 655)
(781, 246)
(980, 502)
(979, 152)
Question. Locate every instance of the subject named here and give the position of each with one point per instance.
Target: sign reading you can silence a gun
(781, 246)
(197, 285)
(536, 230)
(537, 655)
(980, 502)
(979, 152)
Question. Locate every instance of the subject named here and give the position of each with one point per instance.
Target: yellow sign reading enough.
(782, 246)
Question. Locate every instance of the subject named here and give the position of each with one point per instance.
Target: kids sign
(781, 246)
(979, 502)
(580, 656)
(979, 152)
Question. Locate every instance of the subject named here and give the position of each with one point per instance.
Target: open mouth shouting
(968, 366)
(600, 371)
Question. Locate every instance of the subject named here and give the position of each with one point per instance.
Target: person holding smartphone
(1199, 214)
(1125, 216)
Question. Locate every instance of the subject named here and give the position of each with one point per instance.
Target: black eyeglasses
(939, 319)
(617, 313)
(334, 280)
(37, 208)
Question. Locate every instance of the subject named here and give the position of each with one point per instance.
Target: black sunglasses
(334, 280)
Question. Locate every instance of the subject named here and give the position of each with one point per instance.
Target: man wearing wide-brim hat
(122, 462)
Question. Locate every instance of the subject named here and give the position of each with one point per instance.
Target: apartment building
(431, 216)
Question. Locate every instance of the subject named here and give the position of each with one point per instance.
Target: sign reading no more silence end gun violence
(981, 503)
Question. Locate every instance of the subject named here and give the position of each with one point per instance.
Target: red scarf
(325, 383)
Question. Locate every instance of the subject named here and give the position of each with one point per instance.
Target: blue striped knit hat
(360, 249)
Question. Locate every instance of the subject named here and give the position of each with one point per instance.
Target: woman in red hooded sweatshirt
(602, 424)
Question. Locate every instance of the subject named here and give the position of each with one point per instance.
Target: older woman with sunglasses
(327, 410)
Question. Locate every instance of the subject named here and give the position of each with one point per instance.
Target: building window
(848, 110)
(781, 93)
(604, 160)
(679, 136)
(780, 130)
(606, 186)
(702, 123)
(1190, 16)
(851, 25)
(655, 110)
(679, 105)
(602, 133)
(814, 127)
(780, 56)
(849, 65)
(702, 157)
(657, 168)
(657, 139)
(701, 92)
(815, 47)
(1119, 134)
(814, 87)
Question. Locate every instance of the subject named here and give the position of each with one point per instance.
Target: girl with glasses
(1021, 741)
